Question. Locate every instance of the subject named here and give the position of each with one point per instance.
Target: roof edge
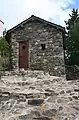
(39, 19)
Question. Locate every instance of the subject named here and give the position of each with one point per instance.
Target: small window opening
(23, 47)
(43, 46)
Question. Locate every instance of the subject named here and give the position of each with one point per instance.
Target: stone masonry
(37, 33)
(35, 95)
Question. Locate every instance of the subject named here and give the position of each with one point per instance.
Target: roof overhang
(40, 20)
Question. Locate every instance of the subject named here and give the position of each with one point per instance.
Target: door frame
(21, 42)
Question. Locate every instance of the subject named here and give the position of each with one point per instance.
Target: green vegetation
(4, 47)
(4, 55)
(72, 42)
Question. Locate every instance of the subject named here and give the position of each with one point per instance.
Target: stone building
(37, 44)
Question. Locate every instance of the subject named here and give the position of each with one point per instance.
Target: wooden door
(23, 55)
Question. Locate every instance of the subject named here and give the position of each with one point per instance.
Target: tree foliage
(74, 18)
(72, 46)
(4, 47)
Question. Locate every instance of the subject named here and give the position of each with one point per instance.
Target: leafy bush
(4, 47)
(5, 63)
(4, 55)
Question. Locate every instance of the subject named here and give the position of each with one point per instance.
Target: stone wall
(14, 52)
(36, 33)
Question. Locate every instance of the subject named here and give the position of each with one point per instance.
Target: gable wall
(37, 33)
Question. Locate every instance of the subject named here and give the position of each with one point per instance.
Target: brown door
(23, 55)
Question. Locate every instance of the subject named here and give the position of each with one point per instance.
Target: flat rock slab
(42, 118)
(35, 101)
(50, 113)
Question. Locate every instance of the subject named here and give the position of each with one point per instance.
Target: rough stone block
(35, 101)
(50, 112)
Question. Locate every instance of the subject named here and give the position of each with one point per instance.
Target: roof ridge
(39, 19)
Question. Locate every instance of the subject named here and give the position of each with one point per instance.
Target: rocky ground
(34, 95)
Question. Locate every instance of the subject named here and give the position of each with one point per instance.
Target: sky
(13, 12)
